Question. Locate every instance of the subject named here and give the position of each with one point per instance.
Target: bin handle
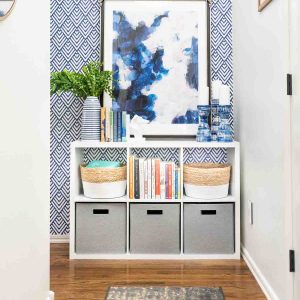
(208, 212)
(154, 212)
(100, 211)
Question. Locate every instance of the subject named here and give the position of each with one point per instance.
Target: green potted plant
(89, 85)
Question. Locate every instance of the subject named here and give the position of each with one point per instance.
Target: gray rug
(164, 293)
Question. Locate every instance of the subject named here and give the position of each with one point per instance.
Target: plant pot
(90, 127)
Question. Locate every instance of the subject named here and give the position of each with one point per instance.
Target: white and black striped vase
(90, 127)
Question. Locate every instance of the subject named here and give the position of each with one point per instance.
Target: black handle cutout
(100, 211)
(154, 212)
(208, 212)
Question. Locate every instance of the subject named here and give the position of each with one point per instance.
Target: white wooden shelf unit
(76, 195)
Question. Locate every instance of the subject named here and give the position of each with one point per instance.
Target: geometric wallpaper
(75, 40)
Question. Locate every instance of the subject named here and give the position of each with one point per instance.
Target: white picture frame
(200, 8)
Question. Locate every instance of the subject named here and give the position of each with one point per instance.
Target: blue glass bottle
(215, 119)
(203, 134)
(224, 131)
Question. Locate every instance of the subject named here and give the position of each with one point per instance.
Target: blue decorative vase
(90, 128)
(224, 131)
(215, 120)
(203, 134)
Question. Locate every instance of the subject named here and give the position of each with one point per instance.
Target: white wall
(295, 70)
(24, 152)
(262, 120)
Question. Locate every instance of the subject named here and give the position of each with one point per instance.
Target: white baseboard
(262, 281)
(51, 296)
(59, 239)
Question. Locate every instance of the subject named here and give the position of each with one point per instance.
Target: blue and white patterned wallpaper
(75, 40)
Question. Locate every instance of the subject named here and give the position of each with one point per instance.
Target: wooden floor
(89, 279)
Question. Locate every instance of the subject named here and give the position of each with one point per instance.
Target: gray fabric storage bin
(100, 228)
(208, 228)
(155, 228)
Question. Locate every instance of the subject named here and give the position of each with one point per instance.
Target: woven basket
(206, 174)
(100, 175)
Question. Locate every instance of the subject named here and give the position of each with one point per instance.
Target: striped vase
(90, 128)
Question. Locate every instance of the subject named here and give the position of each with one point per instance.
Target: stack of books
(153, 179)
(113, 125)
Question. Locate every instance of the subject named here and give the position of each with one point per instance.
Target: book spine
(152, 179)
(142, 178)
(131, 177)
(179, 183)
(173, 181)
(157, 178)
(167, 180)
(115, 126)
(136, 179)
(149, 166)
(170, 181)
(103, 124)
(107, 126)
(145, 179)
(123, 126)
(127, 127)
(119, 126)
(162, 181)
(176, 183)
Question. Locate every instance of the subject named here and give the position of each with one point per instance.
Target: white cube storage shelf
(153, 229)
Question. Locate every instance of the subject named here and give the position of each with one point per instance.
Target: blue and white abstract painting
(157, 61)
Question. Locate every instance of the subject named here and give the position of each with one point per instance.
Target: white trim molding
(260, 278)
(50, 296)
(59, 238)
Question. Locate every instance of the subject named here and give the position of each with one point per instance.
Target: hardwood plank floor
(90, 279)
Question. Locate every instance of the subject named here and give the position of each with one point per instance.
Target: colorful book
(127, 127)
(170, 180)
(149, 167)
(103, 124)
(115, 126)
(179, 183)
(119, 126)
(176, 183)
(146, 179)
(162, 181)
(173, 180)
(167, 180)
(131, 177)
(142, 178)
(136, 179)
(153, 178)
(123, 126)
(157, 178)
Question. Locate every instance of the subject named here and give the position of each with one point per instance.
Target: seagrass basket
(206, 180)
(102, 183)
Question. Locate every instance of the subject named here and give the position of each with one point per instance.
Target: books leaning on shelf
(113, 125)
(153, 179)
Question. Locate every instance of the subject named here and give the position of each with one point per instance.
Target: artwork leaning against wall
(158, 52)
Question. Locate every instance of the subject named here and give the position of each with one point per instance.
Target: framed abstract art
(158, 51)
